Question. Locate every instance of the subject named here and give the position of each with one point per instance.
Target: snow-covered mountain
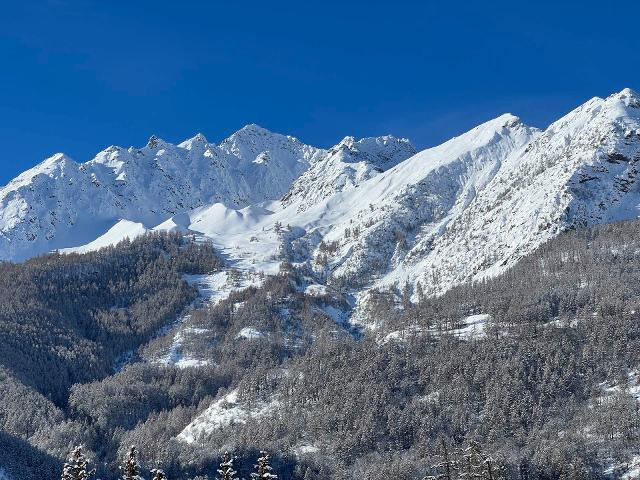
(478, 203)
(363, 214)
(581, 171)
(346, 166)
(61, 203)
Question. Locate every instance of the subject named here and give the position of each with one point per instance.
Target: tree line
(77, 467)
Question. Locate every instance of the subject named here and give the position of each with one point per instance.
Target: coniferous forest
(547, 389)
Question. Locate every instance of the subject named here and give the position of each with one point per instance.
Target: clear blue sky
(79, 76)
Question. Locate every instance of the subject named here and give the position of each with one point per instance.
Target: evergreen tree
(263, 468)
(226, 470)
(76, 465)
(158, 474)
(477, 465)
(130, 468)
(448, 467)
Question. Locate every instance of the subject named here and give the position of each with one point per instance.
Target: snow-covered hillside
(363, 214)
(581, 171)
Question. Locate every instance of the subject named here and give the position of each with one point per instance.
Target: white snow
(469, 328)
(632, 386)
(250, 333)
(306, 449)
(473, 326)
(633, 469)
(123, 229)
(223, 412)
(402, 335)
(176, 356)
(316, 290)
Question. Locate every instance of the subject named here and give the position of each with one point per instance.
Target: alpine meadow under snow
(362, 311)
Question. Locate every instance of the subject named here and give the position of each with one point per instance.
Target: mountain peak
(347, 142)
(156, 142)
(507, 120)
(628, 96)
(254, 129)
(54, 166)
(56, 161)
(198, 139)
(626, 92)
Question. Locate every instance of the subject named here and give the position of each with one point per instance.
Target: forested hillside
(539, 367)
(68, 319)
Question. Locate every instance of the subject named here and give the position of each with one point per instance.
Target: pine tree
(130, 468)
(226, 470)
(477, 465)
(263, 468)
(75, 467)
(447, 468)
(158, 474)
(473, 462)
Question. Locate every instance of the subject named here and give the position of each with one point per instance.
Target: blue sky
(79, 76)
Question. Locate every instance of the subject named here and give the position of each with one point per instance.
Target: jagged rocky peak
(345, 166)
(290, 154)
(384, 151)
(156, 143)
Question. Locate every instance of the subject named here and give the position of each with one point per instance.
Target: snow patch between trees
(250, 333)
(222, 413)
(469, 328)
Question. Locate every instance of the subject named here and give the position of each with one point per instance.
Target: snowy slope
(123, 229)
(511, 190)
(61, 203)
(414, 202)
(417, 196)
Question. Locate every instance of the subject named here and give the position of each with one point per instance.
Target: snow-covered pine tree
(75, 468)
(130, 468)
(263, 468)
(447, 468)
(226, 471)
(477, 465)
(158, 474)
